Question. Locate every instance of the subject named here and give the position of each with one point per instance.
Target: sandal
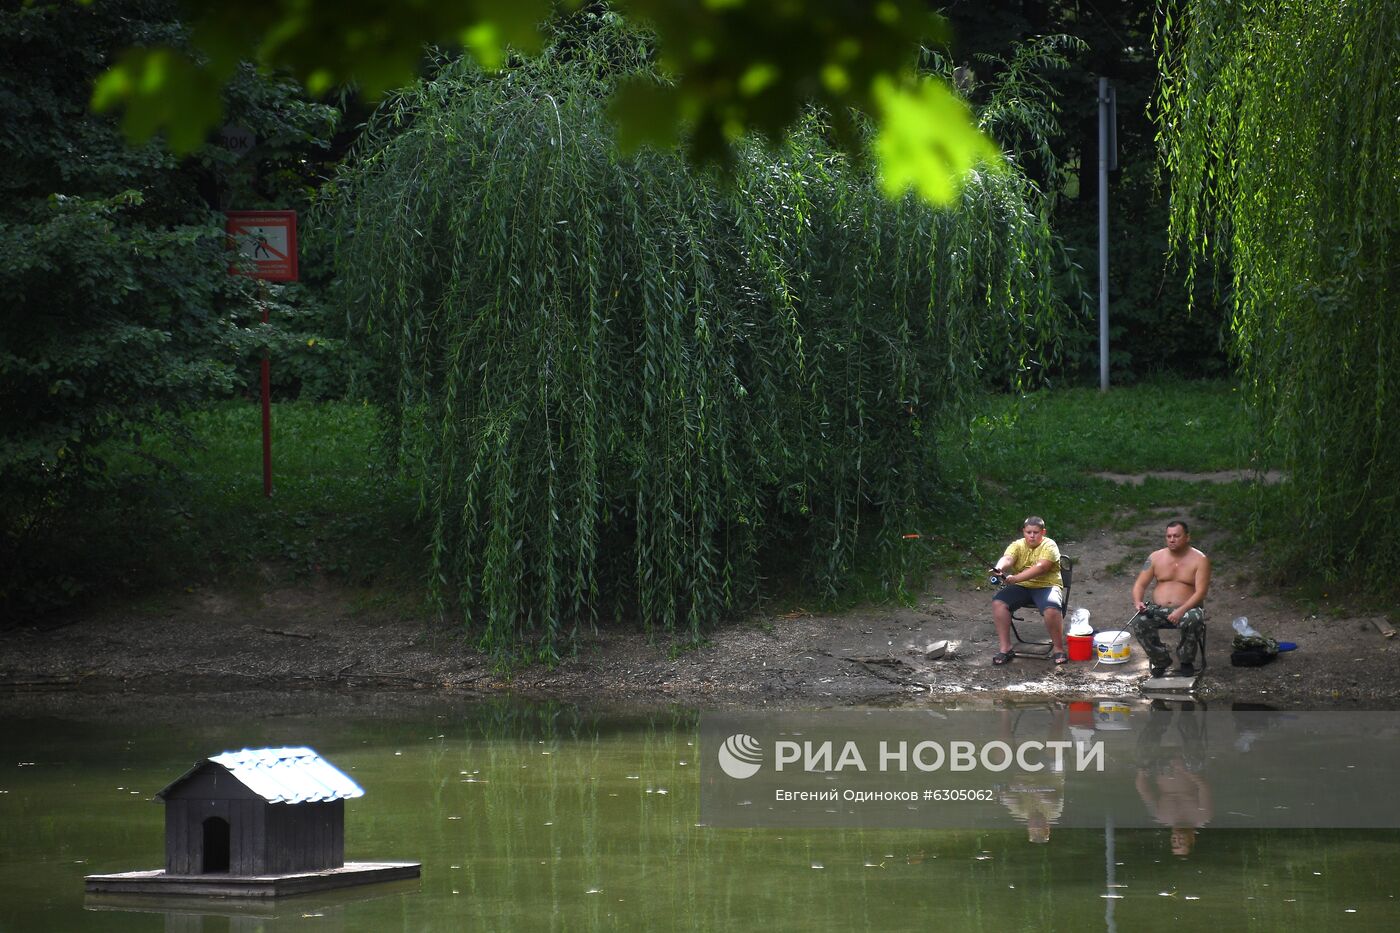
(1002, 657)
(1059, 657)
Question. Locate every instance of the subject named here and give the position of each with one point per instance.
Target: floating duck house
(261, 822)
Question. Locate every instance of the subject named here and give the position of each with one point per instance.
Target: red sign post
(266, 242)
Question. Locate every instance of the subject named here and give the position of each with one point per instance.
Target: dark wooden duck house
(263, 811)
(265, 814)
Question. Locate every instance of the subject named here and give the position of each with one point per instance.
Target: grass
(1040, 454)
(341, 510)
(1160, 425)
(337, 507)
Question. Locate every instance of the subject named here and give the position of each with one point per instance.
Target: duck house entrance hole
(215, 846)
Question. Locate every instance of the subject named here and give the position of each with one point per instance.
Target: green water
(544, 817)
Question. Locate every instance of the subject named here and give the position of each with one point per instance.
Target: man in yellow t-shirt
(1030, 572)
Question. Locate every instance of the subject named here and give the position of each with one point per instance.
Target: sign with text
(1072, 766)
(238, 140)
(266, 242)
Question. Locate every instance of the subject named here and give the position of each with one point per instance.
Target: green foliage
(735, 67)
(113, 325)
(305, 336)
(97, 346)
(1022, 107)
(627, 389)
(1278, 119)
(120, 306)
(926, 141)
(1020, 110)
(1153, 328)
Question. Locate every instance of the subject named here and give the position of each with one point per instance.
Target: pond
(543, 816)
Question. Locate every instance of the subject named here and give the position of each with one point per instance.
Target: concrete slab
(1170, 686)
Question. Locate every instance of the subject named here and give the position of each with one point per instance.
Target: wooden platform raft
(264, 822)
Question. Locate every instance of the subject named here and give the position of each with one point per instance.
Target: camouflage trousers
(1144, 626)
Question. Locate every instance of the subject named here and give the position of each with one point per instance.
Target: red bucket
(1081, 713)
(1081, 647)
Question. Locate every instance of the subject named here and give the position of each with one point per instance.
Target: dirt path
(1268, 477)
(316, 635)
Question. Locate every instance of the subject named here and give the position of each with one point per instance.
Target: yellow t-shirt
(1023, 556)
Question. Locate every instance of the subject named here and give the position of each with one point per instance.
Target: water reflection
(215, 915)
(1036, 796)
(532, 817)
(1171, 772)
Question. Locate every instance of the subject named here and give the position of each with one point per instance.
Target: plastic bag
(1079, 622)
(1242, 626)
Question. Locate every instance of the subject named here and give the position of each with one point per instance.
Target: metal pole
(1103, 234)
(266, 398)
(1110, 875)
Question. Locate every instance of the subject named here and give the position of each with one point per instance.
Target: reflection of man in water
(1037, 799)
(1169, 778)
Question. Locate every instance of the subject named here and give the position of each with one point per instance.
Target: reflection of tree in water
(1035, 798)
(1170, 778)
(513, 718)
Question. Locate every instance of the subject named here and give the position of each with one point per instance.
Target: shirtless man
(1182, 574)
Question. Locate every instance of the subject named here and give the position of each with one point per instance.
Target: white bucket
(1112, 716)
(1113, 647)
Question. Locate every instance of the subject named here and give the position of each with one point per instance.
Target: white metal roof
(287, 775)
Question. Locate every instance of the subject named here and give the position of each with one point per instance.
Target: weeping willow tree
(1281, 124)
(628, 387)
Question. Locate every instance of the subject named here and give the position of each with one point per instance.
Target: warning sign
(266, 242)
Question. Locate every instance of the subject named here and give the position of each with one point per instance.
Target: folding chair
(1162, 623)
(1027, 648)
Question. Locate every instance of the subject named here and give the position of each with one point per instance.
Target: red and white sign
(266, 242)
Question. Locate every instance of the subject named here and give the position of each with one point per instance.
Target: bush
(120, 309)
